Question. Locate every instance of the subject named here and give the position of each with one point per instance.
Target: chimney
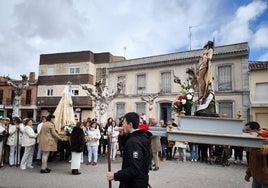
(32, 77)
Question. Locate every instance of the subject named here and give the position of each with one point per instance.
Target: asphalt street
(171, 174)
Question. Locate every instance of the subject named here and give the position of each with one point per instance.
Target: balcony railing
(54, 101)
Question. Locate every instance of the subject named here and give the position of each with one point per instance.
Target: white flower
(191, 90)
(183, 101)
(189, 96)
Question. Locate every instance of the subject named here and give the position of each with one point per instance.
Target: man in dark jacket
(136, 155)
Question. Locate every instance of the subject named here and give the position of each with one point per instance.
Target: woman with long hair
(77, 147)
(92, 142)
(113, 133)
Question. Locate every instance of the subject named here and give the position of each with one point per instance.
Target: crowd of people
(21, 143)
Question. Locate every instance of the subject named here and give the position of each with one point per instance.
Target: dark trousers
(104, 145)
(64, 149)
(238, 153)
(203, 152)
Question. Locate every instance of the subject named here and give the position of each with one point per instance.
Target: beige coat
(155, 143)
(13, 134)
(48, 137)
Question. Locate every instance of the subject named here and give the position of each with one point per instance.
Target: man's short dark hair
(50, 117)
(253, 125)
(134, 118)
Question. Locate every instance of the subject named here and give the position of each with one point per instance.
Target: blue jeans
(194, 151)
(164, 151)
(257, 185)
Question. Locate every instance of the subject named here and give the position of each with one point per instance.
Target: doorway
(165, 112)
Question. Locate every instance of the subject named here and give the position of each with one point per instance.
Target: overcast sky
(134, 28)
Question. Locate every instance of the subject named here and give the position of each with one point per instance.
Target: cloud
(264, 57)
(29, 28)
(238, 29)
(260, 38)
(47, 19)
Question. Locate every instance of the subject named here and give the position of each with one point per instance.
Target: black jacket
(77, 140)
(136, 160)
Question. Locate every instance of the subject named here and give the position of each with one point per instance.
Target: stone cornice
(188, 57)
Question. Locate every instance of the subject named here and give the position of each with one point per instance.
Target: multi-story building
(79, 68)
(258, 83)
(27, 105)
(153, 75)
(148, 76)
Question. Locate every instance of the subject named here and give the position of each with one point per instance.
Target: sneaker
(195, 160)
(31, 167)
(192, 160)
(23, 168)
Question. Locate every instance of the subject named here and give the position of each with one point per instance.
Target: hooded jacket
(136, 159)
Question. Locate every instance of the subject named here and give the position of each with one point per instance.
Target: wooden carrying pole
(3, 148)
(109, 154)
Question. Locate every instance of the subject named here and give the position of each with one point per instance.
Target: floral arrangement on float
(185, 101)
(68, 128)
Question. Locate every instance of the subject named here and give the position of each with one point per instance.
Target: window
(120, 110)
(50, 71)
(225, 78)
(74, 70)
(49, 92)
(261, 92)
(166, 82)
(75, 91)
(141, 83)
(122, 78)
(101, 75)
(226, 107)
(28, 96)
(140, 107)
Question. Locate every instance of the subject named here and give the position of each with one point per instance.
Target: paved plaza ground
(172, 174)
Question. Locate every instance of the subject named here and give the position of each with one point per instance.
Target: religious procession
(140, 139)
